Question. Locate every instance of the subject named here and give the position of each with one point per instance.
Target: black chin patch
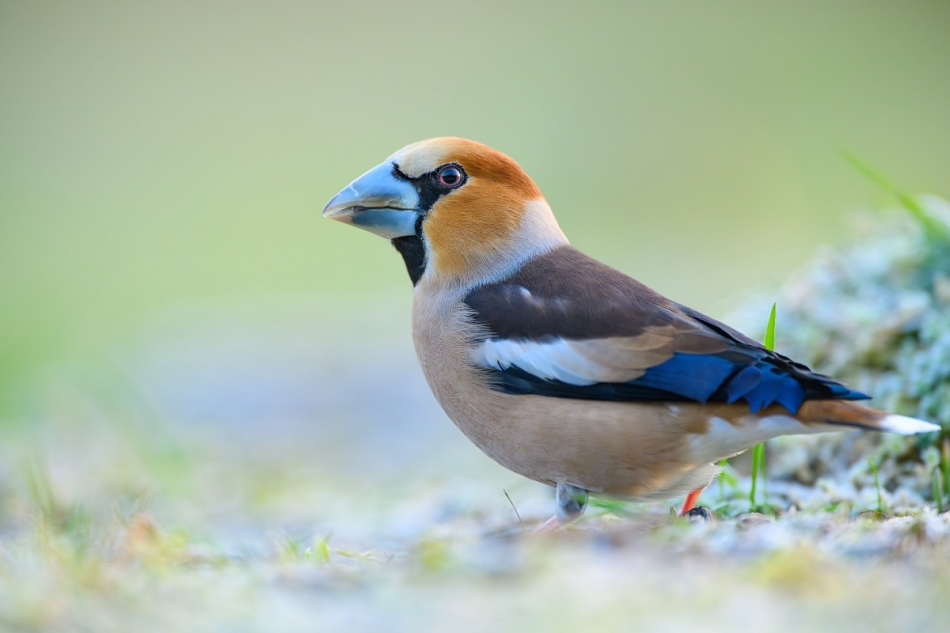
(414, 254)
(429, 188)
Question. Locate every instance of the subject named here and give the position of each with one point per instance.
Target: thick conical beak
(378, 201)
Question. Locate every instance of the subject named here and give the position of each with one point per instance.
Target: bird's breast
(621, 449)
(443, 334)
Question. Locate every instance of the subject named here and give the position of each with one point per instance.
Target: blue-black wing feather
(568, 295)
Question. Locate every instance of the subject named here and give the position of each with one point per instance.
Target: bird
(563, 369)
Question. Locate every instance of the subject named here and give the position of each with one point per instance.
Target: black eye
(450, 176)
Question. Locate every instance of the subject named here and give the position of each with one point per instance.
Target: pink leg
(548, 526)
(690, 502)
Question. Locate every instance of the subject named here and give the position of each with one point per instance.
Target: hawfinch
(561, 368)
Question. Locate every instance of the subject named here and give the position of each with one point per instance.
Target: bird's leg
(571, 503)
(690, 502)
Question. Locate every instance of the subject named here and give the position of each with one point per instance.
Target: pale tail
(845, 413)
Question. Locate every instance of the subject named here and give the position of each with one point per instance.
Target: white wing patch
(573, 362)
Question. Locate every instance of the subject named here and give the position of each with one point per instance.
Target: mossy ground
(259, 539)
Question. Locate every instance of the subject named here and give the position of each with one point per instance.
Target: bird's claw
(701, 513)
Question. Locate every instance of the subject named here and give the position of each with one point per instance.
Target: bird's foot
(690, 502)
(571, 503)
(701, 513)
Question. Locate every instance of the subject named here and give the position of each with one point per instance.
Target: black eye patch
(433, 185)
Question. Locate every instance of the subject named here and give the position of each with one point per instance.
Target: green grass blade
(877, 485)
(934, 229)
(936, 487)
(758, 453)
(770, 330)
(945, 455)
(722, 479)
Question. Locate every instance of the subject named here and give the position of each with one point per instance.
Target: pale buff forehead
(422, 157)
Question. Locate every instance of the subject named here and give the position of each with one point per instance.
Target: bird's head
(458, 211)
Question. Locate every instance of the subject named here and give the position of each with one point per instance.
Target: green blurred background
(159, 155)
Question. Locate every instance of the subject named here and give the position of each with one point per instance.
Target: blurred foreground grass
(195, 534)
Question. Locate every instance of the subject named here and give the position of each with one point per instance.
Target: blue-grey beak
(379, 202)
